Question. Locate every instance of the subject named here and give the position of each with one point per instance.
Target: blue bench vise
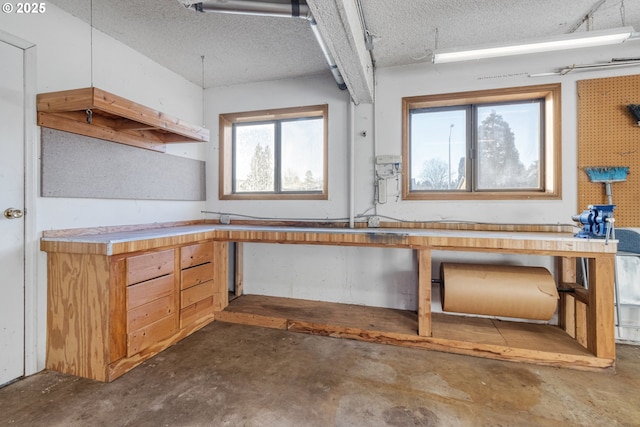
(597, 222)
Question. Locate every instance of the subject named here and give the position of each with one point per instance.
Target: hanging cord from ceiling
(91, 41)
(623, 17)
(203, 116)
(88, 111)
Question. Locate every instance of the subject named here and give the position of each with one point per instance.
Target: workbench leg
(221, 275)
(239, 270)
(600, 321)
(566, 306)
(424, 292)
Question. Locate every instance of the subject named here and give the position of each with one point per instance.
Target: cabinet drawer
(194, 275)
(195, 312)
(149, 266)
(157, 331)
(150, 312)
(150, 290)
(196, 254)
(196, 293)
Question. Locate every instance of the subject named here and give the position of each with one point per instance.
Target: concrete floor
(234, 375)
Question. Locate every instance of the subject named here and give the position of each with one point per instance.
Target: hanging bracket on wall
(99, 114)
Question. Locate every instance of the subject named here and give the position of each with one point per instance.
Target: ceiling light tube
(568, 41)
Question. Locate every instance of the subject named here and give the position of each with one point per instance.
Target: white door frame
(34, 313)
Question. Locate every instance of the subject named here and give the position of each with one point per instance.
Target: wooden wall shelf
(99, 114)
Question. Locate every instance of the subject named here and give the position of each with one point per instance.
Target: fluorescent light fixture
(547, 44)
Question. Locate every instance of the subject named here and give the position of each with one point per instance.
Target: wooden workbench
(584, 338)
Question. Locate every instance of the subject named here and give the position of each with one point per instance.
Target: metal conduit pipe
(329, 58)
(286, 9)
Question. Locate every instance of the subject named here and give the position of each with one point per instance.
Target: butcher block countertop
(125, 241)
(114, 243)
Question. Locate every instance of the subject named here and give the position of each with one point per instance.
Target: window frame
(226, 151)
(552, 173)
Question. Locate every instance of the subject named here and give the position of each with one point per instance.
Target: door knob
(13, 213)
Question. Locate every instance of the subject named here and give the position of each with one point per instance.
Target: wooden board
(608, 135)
(145, 314)
(97, 113)
(539, 243)
(195, 275)
(150, 290)
(358, 316)
(197, 254)
(424, 292)
(523, 342)
(77, 316)
(151, 334)
(200, 309)
(149, 266)
(463, 328)
(196, 293)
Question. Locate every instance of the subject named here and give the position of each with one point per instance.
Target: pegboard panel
(609, 135)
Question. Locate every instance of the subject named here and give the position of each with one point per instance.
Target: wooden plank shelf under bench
(492, 338)
(90, 271)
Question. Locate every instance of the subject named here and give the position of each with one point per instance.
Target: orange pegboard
(609, 135)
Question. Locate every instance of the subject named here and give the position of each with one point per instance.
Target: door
(12, 240)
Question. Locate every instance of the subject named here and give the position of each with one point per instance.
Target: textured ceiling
(407, 31)
(240, 49)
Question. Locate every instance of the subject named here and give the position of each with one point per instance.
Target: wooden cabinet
(196, 282)
(109, 313)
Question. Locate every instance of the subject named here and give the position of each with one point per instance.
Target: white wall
(283, 94)
(386, 277)
(64, 51)
(396, 83)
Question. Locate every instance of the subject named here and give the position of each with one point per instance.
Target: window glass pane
(509, 146)
(254, 157)
(302, 155)
(438, 146)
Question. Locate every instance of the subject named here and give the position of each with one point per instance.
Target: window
(274, 154)
(495, 144)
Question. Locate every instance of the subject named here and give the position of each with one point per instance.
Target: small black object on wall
(635, 110)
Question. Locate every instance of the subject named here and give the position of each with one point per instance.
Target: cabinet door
(153, 289)
(196, 293)
(195, 312)
(197, 254)
(150, 312)
(145, 337)
(196, 282)
(196, 275)
(152, 299)
(149, 266)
